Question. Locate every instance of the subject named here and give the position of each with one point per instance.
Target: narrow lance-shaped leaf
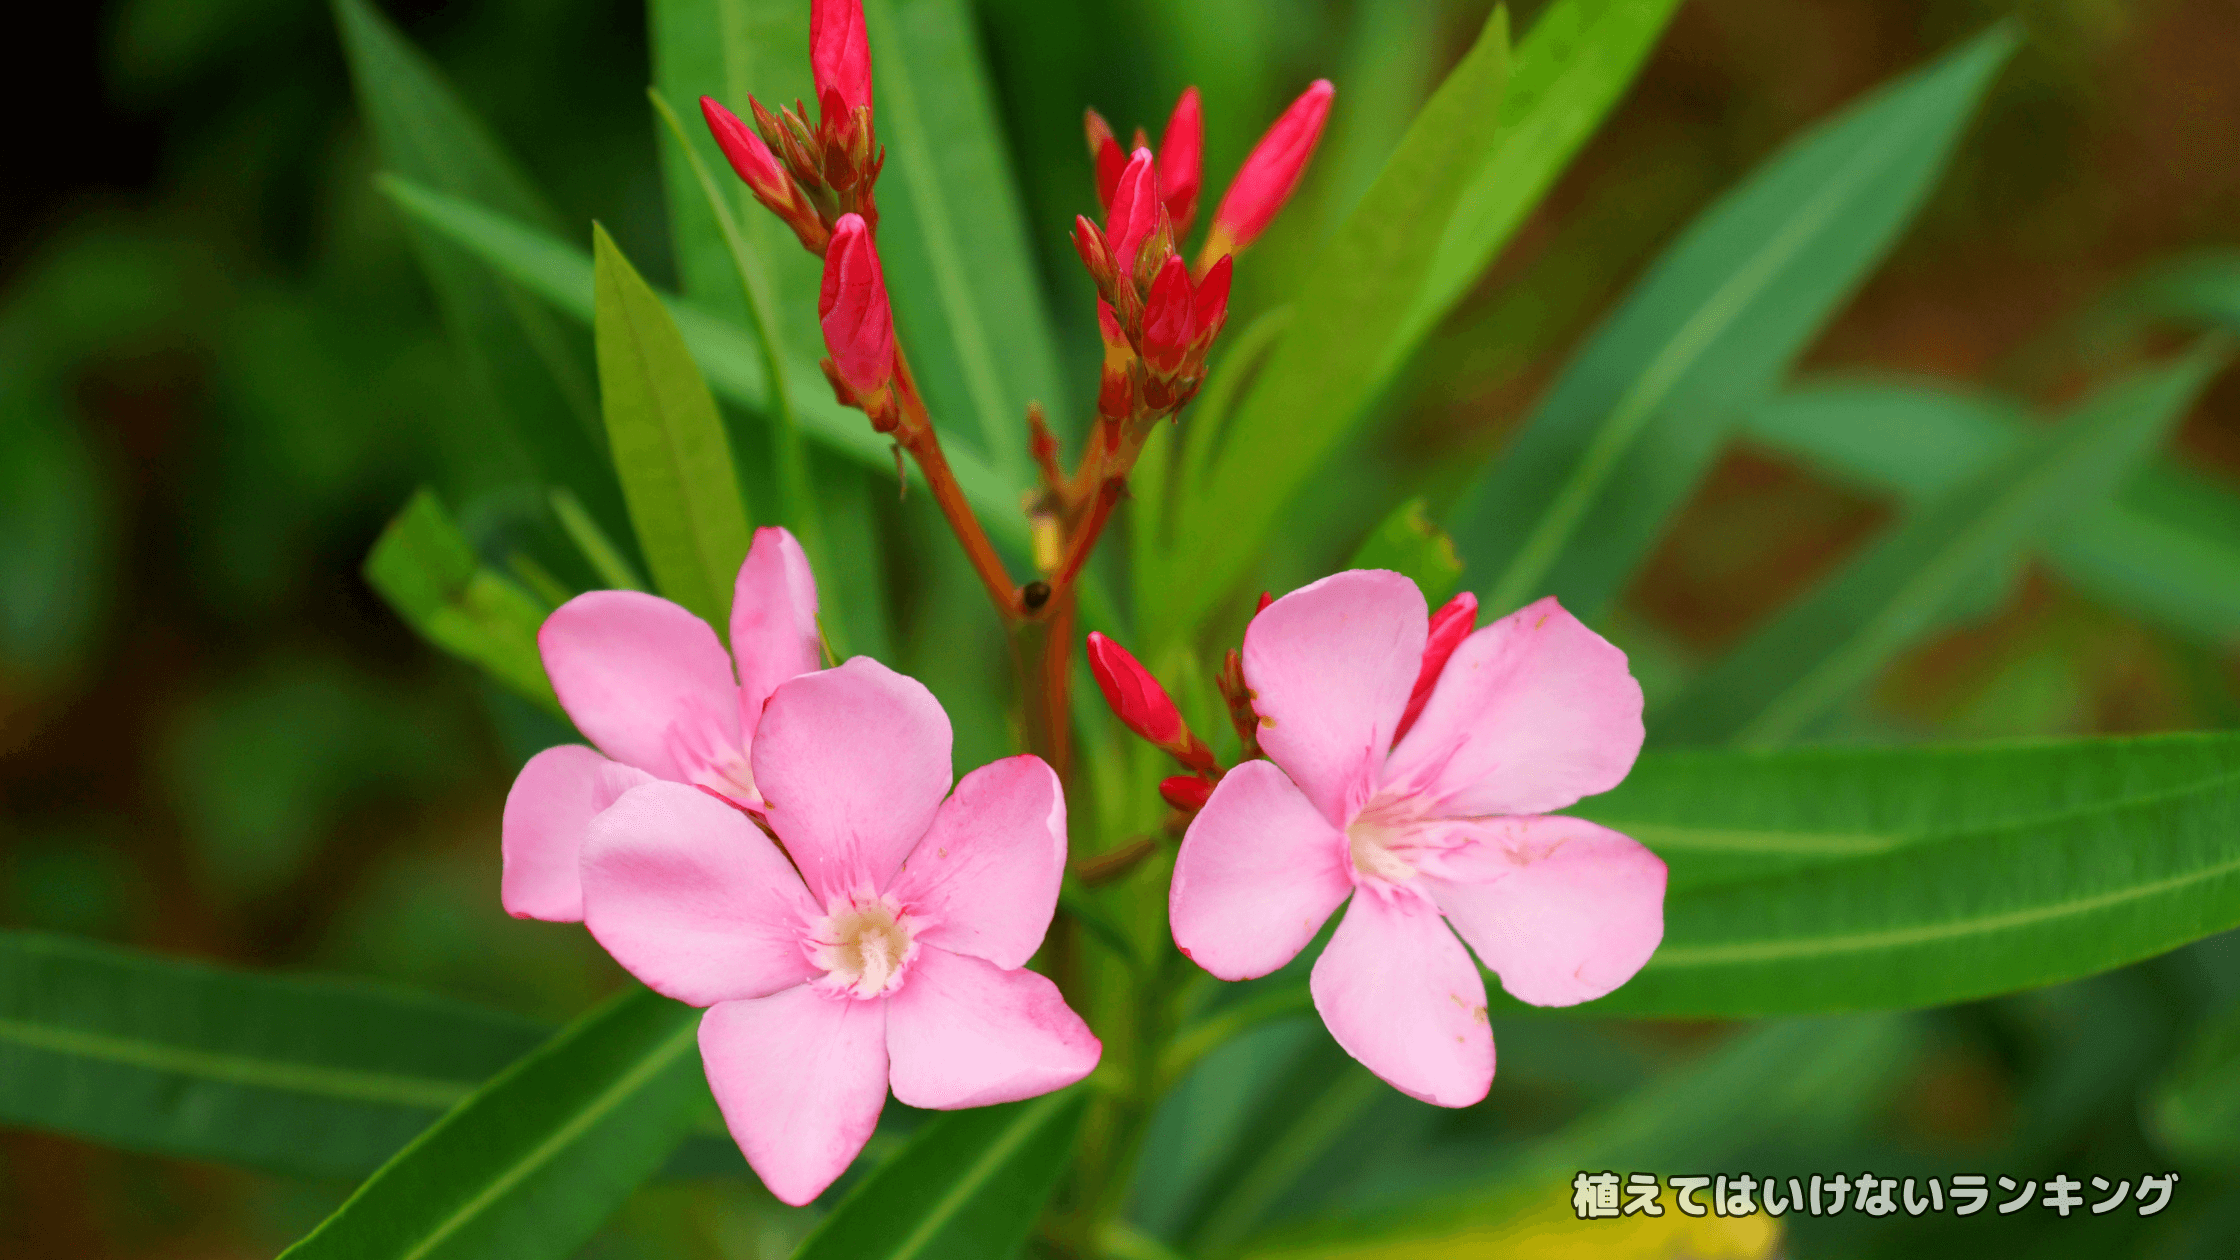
(1629, 428)
(968, 1186)
(2167, 546)
(967, 295)
(308, 1077)
(1761, 1083)
(669, 446)
(529, 368)
(1326, 370)
(535, 1161)
(1834, 640)
(2133, 850)
(423, 566)
(561, 275)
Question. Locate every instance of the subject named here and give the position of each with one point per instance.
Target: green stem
(796, 493)
(1194, 1042)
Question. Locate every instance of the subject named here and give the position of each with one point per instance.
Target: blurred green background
(221, 371)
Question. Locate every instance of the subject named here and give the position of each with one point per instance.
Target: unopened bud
(1167, 324)
(748, 155)
(1095, 255)
(1449, 627)
(853, 308)
(1186, 792)
(1209, 306)
(839, 57)
(1136, 697)
(1182, 161)
(1105, 152)
(1134, 213)
(1268, 176)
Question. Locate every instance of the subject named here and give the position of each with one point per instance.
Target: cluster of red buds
(827, 171)
(1157, 314)
(1144, 707)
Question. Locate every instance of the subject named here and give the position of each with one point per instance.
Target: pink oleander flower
(1444, 824)
(649, 684)
(839, 56)
(1266, 179)
(858, 320)
(890, 949)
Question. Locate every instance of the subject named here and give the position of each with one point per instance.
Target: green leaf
(1833, 641)
(424, 568)
(1409, 543)
(968, 301)
(1579, 57)
(535, 1161)
(669, 445)
(968, 1186)
(1332, 361)
(597, 549)
(1629, 428)
(2202, 288)
(2167, 547)
(2194, 1110)
(307, 1077)
(528, 368)
(1871, 879)
(561, 275)
(1762, 1083)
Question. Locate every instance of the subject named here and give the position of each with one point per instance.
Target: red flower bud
(858, 321)
(748, 155)
(1166, 317)
(1186, 792)
(1134, 212)
(1268, 176)
(1089, 243)
(1449, 627)
(839, 56)
(1136, 697)
(1106, 153)
(1182, 161)
(1265, 600)
(1209, 308)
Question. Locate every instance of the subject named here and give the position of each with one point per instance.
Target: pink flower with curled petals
(1446, 824)
(649, 684)
(1271, 172)
(891, 949)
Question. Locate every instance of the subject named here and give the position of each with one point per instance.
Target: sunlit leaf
(1902, 878)
(1628, 429)
(535, 1161)
(669, 446)
(423, 566)
(968, 1186)
(1831, 642)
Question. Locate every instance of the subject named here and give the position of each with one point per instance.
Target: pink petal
(987, 873)
(629, 667)
(963, 1032)
(1561, 909)
(853, 762)
(1400, 993)
(692, 899)
(1259, 871)
(548, 810)
(1530, 714)
(773, 620)
(1331, 665)
(800, 1077)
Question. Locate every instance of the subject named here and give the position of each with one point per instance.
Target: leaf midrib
(604, 1102)
(341, 1084)
(1028, 1123)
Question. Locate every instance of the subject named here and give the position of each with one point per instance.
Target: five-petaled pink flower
(1448, 816)
(890, 948)
(647, 681)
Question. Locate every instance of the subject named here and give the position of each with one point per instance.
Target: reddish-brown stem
(1085, 537)
(916, 435)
